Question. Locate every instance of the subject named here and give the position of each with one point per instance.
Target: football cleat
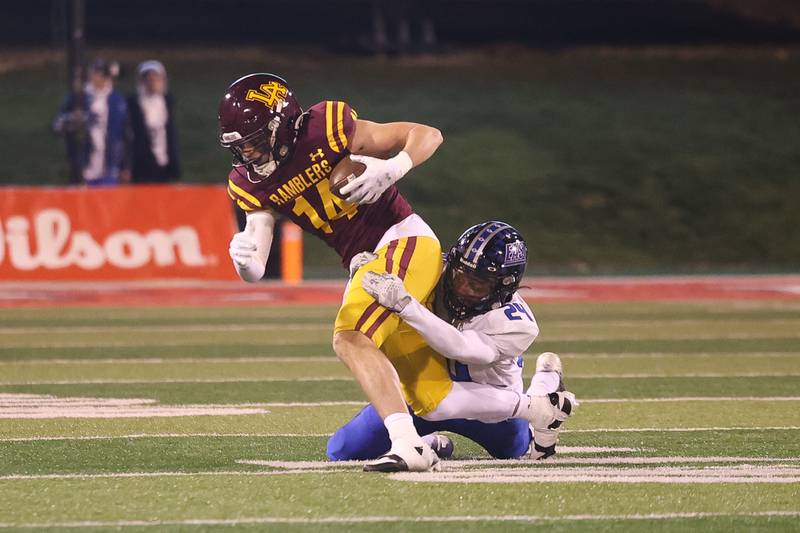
(546, 414)
(551, 362)
(441, 445)
(544, 443)
(404, 457)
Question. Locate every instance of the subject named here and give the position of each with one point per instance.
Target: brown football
(343, 172)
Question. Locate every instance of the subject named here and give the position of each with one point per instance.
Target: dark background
(340, 24)
(620, 136)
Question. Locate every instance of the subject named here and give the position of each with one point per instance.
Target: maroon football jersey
(300, 189)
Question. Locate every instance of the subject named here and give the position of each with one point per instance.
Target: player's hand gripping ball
(368, 185)
(345, 171)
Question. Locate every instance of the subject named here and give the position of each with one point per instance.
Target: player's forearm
(421, 143)
(260, 227)
(467, 347)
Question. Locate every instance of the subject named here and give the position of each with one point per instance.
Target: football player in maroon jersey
(283, 158)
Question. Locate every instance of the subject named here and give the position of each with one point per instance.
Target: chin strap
(266, 169)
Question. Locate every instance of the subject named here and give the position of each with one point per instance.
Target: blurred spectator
(154, 146)
(404, 17)
(93, 123)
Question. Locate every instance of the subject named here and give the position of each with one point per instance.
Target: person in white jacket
(461, 369)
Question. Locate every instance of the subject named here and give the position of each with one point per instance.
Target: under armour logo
(319, 153)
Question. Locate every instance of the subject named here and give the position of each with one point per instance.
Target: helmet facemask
(257, 149)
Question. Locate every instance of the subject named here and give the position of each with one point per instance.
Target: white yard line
(149, 343)
(268, 520)
(267, 379)
(34, 406)
(178, 360)
(671, 355)
(695, 399)
(644, 375)
(268, 325)
(115, 475)
(160, 436)
(585, 469)
(175, 328)
(128, 343)
(750, 475)
(169, 411)
(332, 359)
(558, 460)
(681, 430)
(299, 435)
(243, 379)
(35, 400)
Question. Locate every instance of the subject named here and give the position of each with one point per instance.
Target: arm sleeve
(469, 346)
(260, 226)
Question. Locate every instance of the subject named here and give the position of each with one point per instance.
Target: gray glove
(359, 260)
(387, 289)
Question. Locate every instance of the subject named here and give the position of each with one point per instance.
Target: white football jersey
(513, 329)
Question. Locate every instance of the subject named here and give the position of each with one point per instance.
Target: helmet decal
(272, 95)
(516, 254)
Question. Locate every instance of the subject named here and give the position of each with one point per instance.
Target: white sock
(544, 383)
(401, 426)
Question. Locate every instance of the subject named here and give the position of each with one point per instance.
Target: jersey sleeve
(340, 125)
(512, 328)
(469, 347)
(244, 192)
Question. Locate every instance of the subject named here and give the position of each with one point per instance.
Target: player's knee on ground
(364, 437)
(515, 444)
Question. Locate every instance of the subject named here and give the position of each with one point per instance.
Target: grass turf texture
(687, 350)
(632, 161)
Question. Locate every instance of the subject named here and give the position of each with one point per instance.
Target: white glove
(387, 289)
(379, 175)
(547, 414)
(244, 252)
(359, 260)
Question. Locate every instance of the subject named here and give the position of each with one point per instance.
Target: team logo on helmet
(516, 254)
(272, 95)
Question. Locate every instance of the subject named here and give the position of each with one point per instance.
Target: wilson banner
(121, 233)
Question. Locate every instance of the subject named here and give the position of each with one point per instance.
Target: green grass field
(690, 421)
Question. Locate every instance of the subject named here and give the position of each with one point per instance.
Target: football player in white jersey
(478, 329)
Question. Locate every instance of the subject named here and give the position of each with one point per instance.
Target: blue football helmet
(483, 270)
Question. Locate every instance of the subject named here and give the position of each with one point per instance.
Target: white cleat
(546, 412)
(404, 457)
(549, 362)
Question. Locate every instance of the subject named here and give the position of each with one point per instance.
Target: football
(343, 172)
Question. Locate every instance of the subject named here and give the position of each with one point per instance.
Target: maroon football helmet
(259, 118)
